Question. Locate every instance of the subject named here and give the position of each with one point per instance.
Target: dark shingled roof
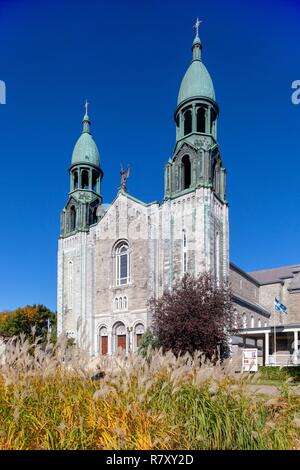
(272, 276)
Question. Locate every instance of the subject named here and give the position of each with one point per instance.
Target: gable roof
(275, 275)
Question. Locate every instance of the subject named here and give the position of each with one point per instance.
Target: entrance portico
(280, 343)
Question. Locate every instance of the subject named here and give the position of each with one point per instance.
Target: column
(295, 355)
(207, 120)
(181, 124)
(98, 191)
(266, 344)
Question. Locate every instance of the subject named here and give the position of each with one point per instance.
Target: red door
(104, 345)
(121, 341)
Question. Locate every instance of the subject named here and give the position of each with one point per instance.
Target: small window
(252, 321)
(244, 320)
(259, 323)
(120, 303)
(116, 303)
(125, 302)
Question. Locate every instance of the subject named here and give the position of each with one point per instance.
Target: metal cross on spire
(86, 106)
(196, 25)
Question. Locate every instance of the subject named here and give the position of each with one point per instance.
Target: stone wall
(242, 284)
(293, 308)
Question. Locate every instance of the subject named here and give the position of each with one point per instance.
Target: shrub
(148, 342)
(277, 373)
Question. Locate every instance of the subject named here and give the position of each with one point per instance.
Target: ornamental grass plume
(50, 399)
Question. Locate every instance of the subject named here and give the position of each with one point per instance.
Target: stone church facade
(113, 258)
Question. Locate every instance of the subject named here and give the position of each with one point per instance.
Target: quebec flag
(279, 307)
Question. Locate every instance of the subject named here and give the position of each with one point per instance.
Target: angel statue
(124, 175)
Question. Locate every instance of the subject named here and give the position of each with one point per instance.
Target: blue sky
(128, 58)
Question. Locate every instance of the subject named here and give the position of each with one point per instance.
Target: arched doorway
(103, 341)
(120, 337)
(139, 330)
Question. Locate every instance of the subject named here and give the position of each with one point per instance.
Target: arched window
(217, 178)
(201, 120)
(85, 179)
(93, 215)
(187, 122)
(186, 172)
(259, 323)
(122, 264)
(94, 181)
(75, 180)
(235, 319)
(252, 321)
(217, 256)
(184, 252)
(125, 302)
(120, 303)
(72, 219)
(70, 284)
(213, 118)
(244, 320)
(116, 303)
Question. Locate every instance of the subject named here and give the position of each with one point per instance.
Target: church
(113, 257)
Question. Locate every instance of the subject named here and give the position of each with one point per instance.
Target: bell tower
(195, 205)
(196, 160)
(85, 198)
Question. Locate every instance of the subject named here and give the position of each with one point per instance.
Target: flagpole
(274, 336)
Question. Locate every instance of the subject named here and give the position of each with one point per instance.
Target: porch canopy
(280, 343)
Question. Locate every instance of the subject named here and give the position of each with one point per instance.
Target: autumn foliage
(24, 319)
(197, 315)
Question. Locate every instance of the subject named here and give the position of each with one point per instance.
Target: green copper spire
(85, 150)
(86, 120)
(197, 46)
(197, 82)
(81, 210)
(195, 162)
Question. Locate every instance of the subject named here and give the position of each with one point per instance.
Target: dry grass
(49, 400)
